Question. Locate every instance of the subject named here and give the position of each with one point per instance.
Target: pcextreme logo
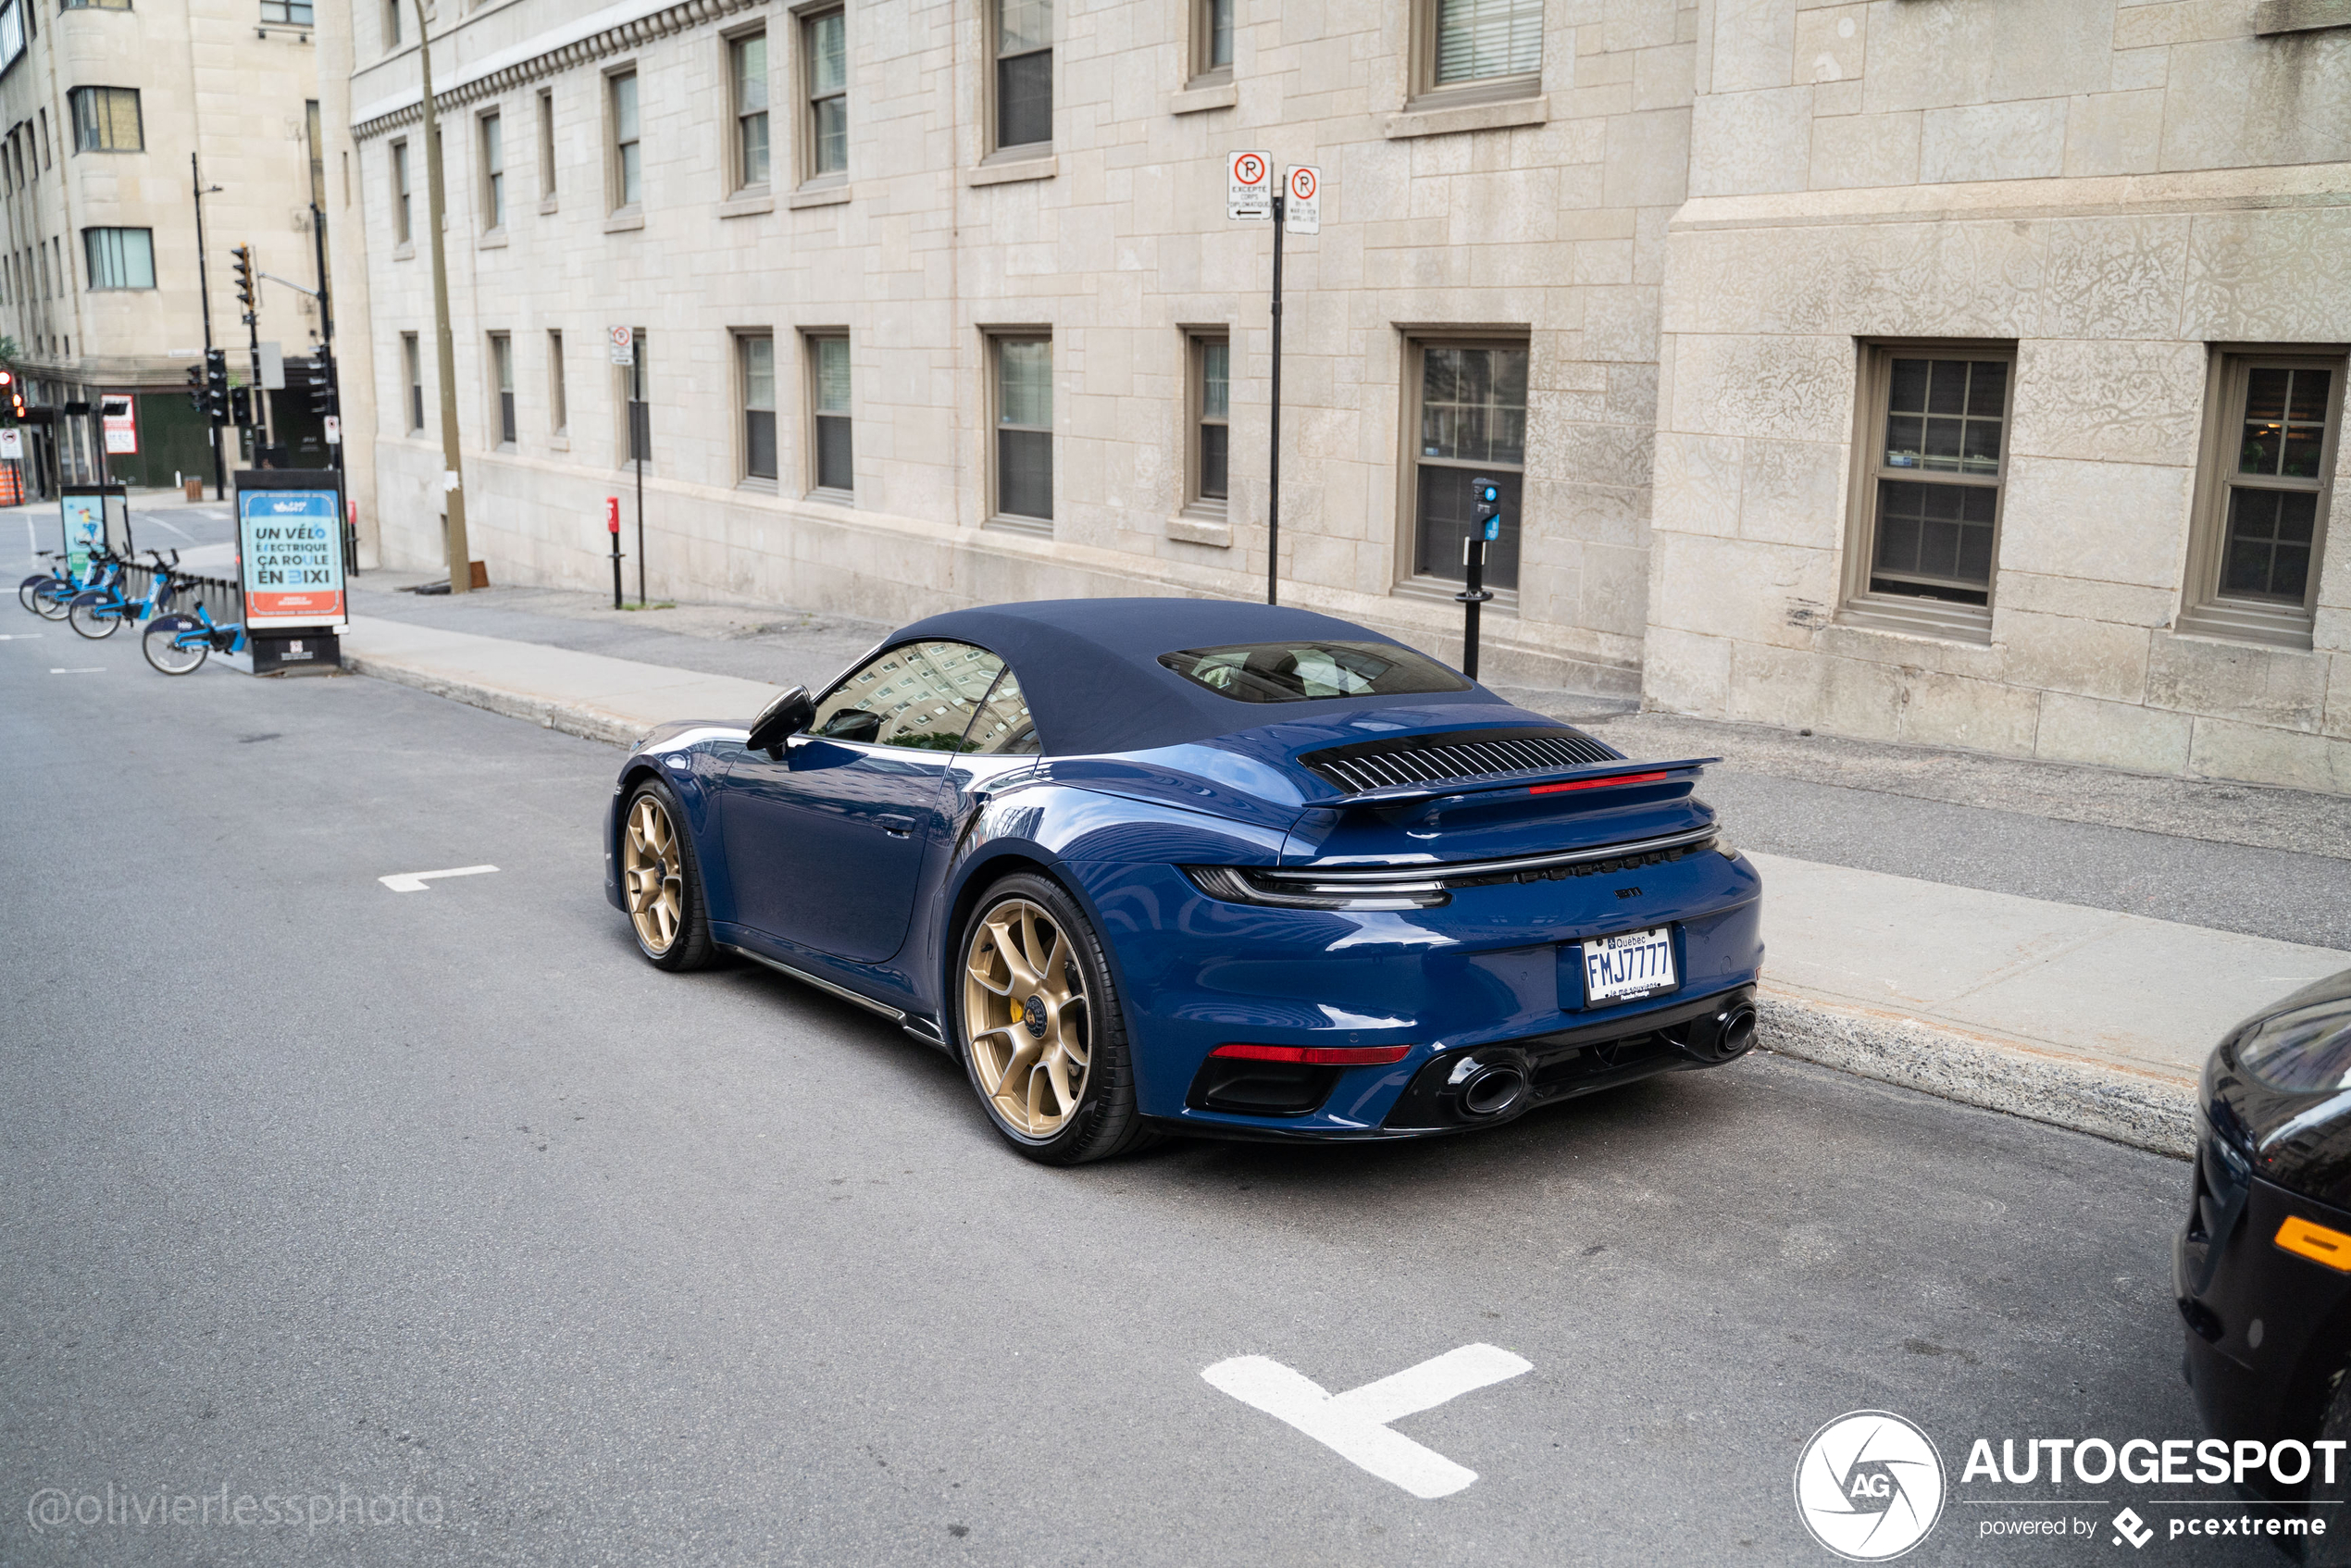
(1869, 1486)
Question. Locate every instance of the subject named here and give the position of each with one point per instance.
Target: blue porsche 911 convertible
(1150, 866)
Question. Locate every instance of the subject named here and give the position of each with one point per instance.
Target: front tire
(661, 881)
(1041, 1029)
(94, 616)
(30, 587)
(162, 646)
(54, 601)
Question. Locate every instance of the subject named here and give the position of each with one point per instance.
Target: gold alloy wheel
(653, 876)
(1025, 1024)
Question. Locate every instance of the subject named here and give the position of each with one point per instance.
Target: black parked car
(2263, 1268)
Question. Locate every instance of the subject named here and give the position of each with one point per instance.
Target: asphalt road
(313, 1190)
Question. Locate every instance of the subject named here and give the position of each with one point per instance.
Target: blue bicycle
(50, 594)
(180, 644)
(96, 612)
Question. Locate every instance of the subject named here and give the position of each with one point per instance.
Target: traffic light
(216, 385)
(240, 406)
(244, 275)
(322, 388)
(196, 399)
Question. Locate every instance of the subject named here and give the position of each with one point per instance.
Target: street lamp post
(461, 574)
(204, 292)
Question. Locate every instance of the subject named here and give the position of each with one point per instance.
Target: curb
(2139, 1109)
(572, 718)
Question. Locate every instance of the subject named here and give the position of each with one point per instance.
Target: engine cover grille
(1468, 754)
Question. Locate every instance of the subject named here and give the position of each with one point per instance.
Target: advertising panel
(289, 552)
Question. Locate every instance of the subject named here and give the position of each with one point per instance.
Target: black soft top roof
(1091, 672)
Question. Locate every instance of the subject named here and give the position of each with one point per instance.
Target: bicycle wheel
(94, 616)
(164, 650)
(26, 590)
(54, 600)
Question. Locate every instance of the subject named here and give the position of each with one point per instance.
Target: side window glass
(1003, 727)
(919, 695)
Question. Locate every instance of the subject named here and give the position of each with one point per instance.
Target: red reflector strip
(1595, 783)
(1319, 1055)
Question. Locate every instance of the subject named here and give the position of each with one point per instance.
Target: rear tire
(96, 618)
(1034, 1003)
(158, 645)
(660, 881)
(55, 601)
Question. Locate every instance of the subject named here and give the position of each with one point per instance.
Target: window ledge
(756, 485)
(1426, 118)
(832, 497)
(494, 240)
(1198, 95)
(1197, 525)
(1922, 618)
(1026, 166)
(2299, 16)
(2271, 628)
(405, 251)
(747, 203)
(827, 195)
(1443, 588)
(626, 219)
(1038, 528)
(546, 203)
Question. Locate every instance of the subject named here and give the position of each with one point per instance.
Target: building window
(546, 144)
(493, 172)
(628, 167)
(119, 258)
(835, 466)
(758, 354)
(824, 47)
(502, 374)
(400, 230)
(1929, 491)
(411, 366)
(747, 70)
(1470, 421)
(105, 120)
(287, 12)
(1022, 395)
(1024, 82)
(2263, 497)
(558, 401)
(1480, 48)
(1212, 42)
(636, 402)
(96, 6)
(391, 24)
(1212, 362)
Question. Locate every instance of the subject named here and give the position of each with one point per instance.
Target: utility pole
(461, 571)
(1274, 459)
(203, 291)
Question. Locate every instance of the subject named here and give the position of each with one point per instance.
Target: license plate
(1636, 964)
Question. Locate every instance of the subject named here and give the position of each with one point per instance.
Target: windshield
(1303, 672)
(2304, 1052)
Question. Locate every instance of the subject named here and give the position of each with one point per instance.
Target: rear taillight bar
(1318, 1055)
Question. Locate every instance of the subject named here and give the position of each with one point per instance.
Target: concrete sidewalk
(2087, 1018)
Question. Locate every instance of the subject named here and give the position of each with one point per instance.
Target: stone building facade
(103, 105)
(940, 304)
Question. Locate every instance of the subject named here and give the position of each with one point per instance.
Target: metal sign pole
(1274, 457)
(637, 441)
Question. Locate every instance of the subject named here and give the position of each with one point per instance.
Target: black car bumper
(2269, 1329)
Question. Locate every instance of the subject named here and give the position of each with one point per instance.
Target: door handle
(896, 827)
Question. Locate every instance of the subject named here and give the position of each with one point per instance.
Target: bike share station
(290, 566)
(91, 517)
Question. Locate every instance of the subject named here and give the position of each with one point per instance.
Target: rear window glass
(1303, 672)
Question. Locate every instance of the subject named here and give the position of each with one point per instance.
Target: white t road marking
(86, 669)
(413, 882)
(18, 635)
(1354, 1424)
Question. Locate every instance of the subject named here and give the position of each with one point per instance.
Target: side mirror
(780, 720)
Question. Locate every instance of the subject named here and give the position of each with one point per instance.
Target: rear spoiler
(1535, 781)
